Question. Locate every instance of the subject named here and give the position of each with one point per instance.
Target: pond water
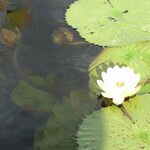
(40, 80)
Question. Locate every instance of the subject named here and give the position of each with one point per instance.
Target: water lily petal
(104, 76)
(118, 100)
(116, 68)
(103, 86)
(136, 79)
(100, 83)
(119, 83)
(107, 95)
(134, 91)
(109, 70)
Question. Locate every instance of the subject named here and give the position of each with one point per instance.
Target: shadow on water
(39, 56)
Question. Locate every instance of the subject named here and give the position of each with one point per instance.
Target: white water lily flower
(119, 83)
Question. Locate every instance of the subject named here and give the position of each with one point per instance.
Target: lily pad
(26, 95)
(111, 22)
(110, 129)
(136, 56)
(60, 131)
(145, 89)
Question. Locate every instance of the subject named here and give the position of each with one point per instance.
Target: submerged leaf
(111, 22)
(26, 95)
(60, 131)
(4, 4)
(110, 129)
(18, 17)
(62, 36)
(46, 81)
(9, 37)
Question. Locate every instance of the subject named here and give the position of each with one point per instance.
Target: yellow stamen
(120, 84)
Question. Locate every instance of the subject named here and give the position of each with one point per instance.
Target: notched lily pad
(111, 22)
(110, 129)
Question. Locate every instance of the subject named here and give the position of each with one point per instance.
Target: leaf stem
(110, 3)
(126, 113)
(145, 81)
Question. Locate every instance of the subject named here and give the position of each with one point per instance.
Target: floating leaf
(110, 129)
(111, 22)
(145, 89)
(26, 95)
(60, 131)
(136, 56)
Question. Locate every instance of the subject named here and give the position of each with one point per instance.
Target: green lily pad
(145, 89)
(136, 56)
(26, 95)
(60, 131)
(111, 22)
(110, 129)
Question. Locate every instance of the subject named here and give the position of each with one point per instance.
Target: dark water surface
(39, 56)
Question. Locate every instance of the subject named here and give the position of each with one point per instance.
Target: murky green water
(44, 86)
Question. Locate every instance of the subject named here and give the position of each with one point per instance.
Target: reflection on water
(43, 84)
